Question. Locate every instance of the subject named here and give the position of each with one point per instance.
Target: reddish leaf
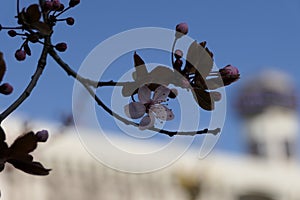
(203, 44)
(3, 144)
(130, 89)
(2, 67)
(2, 135)
(140, 67)
(33, 13)
(27, 49)
(198, 59)
(215, 83)
(27, 166)
(162, 75)
(199, 81)
(203, 99)
(42, 27)
(24, 144)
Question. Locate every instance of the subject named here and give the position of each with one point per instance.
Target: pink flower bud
(229, 70)
(6, 89)
(42, 136)
(48, 5)
(181, 29)
(56, 4)
(61, 47)
(61, 8)
(20, 55)
(229, 74)
(70, 21)
(178, 54)
(12, 33)
(73, 3)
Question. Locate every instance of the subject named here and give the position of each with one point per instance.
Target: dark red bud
(48, 5)
(56, 4)
(181, 29)
(61, 8)
(20, 55)
(178, 54)
(70, 21)
(12, 33)
(6, 89)
(229, 74)
(61, 47)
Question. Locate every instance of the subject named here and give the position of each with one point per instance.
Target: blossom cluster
(196, 76)
(36, 22)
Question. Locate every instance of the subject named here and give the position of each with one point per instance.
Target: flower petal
(134, 110)
(162, 112)
(160, 94)
(144, 94)
(147, 122)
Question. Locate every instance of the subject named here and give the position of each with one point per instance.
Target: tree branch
(34, 79)
(87, 83)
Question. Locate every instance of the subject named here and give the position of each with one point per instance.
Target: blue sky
(252, 35)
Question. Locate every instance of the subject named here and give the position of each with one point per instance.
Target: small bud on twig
(61, 47)
(20, 55)
(42, 135)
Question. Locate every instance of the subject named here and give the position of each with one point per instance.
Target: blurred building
(269, 171)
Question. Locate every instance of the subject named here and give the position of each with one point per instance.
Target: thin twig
(88, 83)
(172, 53)
(34, 79)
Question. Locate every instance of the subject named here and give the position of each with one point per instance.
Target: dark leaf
(42, 27)
(34, 168)
(199, 81)
(2, 165)
(203, 44)
(22, 17)
(203, 99)
(27, 49)
(198, 59)
(33, 13)
(24, 144)
(2, 67)
(130, 89)
(3, 144)
(140, 67)
(2, 135)
(162, 75)
(214, 83)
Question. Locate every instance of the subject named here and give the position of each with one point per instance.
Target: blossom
(152, 107)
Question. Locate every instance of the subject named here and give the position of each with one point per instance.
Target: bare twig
(172, 53)
(34, 79)
(88, 83)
